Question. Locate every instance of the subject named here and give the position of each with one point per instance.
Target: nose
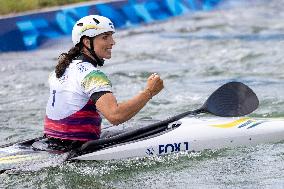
(112, 41)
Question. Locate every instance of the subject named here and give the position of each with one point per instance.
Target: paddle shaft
(182, 115)
(98, 144)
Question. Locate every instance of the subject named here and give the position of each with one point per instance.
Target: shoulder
(82, 67)
(80, 70)
(96, 77)
(89, 76)
(95, 81)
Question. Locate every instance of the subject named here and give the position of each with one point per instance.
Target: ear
(86, 42)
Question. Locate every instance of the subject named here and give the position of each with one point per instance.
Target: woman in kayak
(79, 90)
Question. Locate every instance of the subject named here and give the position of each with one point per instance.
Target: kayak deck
(197, 134)
(188, 134)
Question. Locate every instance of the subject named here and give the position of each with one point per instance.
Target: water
(194, 54)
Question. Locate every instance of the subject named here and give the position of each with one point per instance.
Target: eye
(80, 24)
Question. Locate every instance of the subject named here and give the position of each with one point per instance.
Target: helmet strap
(98, 61)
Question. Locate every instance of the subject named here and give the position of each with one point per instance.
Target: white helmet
(91, 26)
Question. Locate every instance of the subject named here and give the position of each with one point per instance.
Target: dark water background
(194, 54)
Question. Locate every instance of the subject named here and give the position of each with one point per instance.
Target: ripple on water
(194, 54)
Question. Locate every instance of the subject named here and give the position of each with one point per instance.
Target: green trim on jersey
(95, 79)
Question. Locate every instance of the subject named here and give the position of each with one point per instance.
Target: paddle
(230, 100)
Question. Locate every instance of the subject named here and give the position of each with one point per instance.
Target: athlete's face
(103, 45)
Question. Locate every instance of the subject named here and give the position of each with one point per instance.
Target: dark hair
(65, 59)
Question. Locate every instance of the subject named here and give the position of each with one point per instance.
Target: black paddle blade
(231, 99)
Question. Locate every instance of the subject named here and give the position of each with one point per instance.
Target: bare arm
(117, 113)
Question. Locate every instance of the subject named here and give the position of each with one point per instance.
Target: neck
(92, 54)
(87, 53)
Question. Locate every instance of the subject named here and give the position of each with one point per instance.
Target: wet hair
(65, 59)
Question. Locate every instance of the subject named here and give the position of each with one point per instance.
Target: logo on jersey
(81, 68)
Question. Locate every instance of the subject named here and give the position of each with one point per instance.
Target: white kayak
(231, 101)
(197, 134)
(189, 134)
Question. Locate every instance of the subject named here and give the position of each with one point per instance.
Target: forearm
(127, 109)
(117, 113)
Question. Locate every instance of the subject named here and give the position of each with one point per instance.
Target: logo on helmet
(87, 27)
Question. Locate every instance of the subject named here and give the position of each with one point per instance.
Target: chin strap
(98, 61)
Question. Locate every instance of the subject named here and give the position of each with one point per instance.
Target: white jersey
(71, 92)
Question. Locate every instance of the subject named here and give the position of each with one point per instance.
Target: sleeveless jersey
(70, 113)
